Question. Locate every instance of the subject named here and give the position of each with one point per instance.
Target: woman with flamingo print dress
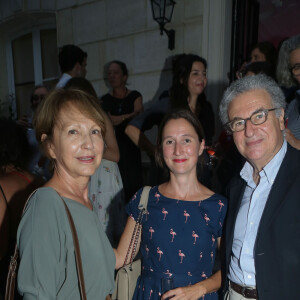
(182, 228)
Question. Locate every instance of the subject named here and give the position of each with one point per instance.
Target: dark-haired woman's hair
(179, 92)
(175, 115)
(261, 67)
(14, 149)
(122, 66)
(268, 49)
(82, 84)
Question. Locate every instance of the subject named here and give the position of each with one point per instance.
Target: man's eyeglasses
(257, 118)
(295, 69)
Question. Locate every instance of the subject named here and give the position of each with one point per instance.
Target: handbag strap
(11, 275)
(77, 252)
(138, 225)
(2, 192)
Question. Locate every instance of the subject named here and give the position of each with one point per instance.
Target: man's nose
(249, 128)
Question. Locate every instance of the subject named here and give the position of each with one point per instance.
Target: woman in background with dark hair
(122, 105)
(187, 91)
(189, 82)
(16, 184)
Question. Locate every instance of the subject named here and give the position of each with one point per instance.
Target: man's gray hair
(247, 84)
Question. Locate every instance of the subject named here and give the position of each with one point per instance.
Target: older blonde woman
(70, 126)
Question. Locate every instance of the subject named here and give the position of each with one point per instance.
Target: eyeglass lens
(256, 118)
(296, 69)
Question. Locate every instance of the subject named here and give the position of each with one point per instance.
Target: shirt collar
(270, 170)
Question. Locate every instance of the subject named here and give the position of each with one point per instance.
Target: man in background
(72, 61)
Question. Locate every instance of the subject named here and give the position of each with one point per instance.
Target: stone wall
(125, 30)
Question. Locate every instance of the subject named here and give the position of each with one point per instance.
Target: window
(34, 61)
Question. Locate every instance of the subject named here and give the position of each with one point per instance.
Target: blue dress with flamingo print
(179, 240)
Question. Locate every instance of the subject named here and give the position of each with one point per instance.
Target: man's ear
(281, 120)
(202, 146)
(76, 70)
(49, 146)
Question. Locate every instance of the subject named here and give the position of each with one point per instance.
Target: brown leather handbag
(12, 273)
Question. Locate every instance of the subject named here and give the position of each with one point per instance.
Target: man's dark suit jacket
(277, 245)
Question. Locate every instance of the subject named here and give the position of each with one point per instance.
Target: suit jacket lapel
(235, 196)
(285, 176)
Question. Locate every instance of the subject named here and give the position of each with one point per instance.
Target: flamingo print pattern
(160, 253)
(206, 218)
(187, 215)
(178, 240)
(147, 249)
(173, 233)
(182, 255)
(157, 196)
(168, 273)
(213, 240)
(221, 205)
(151, 230)
(164, 212)
(195, 236)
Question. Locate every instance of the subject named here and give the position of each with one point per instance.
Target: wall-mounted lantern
(162, 11)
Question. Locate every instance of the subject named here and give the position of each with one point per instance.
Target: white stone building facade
(31, 31)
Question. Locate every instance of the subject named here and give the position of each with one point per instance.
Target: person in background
(183, 225)
(288, 74)
(71, 129)
(37, 163)
(260, 67)
(16, 184)
(262, 51)
(38, 95)
(187, 91)
(261, 237)
(105, 185)
(72, 61)
(122, 105)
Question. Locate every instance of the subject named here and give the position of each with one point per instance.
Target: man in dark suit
(262, 233)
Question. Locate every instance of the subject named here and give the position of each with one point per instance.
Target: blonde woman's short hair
(48, 112)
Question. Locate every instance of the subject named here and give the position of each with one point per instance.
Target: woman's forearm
(139, 138)
(211, 284)
(197, 290)
(111, 155)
